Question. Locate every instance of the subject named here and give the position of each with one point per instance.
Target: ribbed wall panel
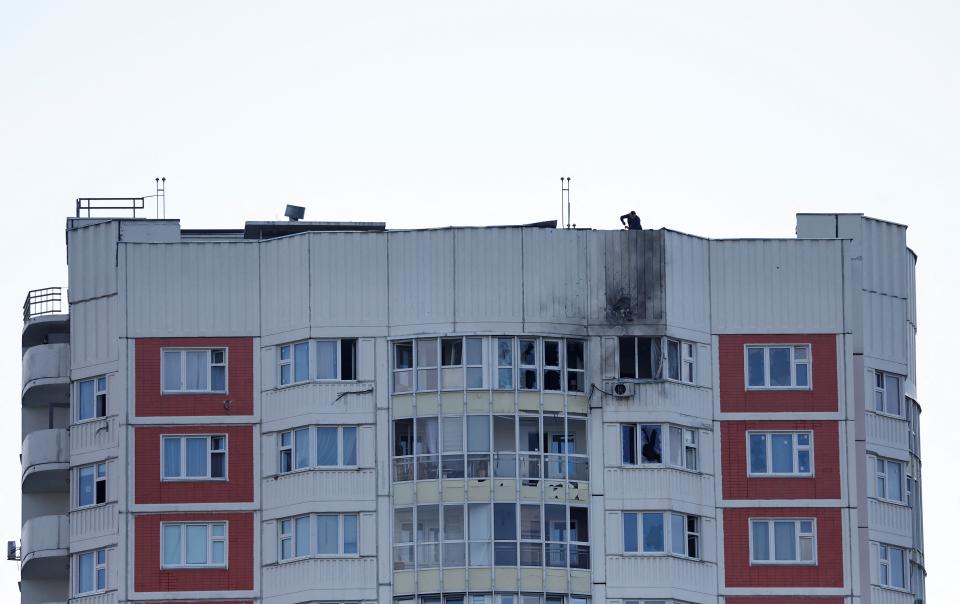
(687, 282)
(284, 284)
(884, 334)
(109, 597)
(488, 264)
(92, 259)
(94, 332)
(311, 402)
(95, 435)
(879, 595)
(662, 397)
(554, 276)
(348, 280)
(421, 277)
(96, 521)
(884, 246)
(45, 362)
(911, 270)
(776, 286)
(323, 490)
(193, 289)
(894, 522)
(626, 277)
(887, 431)
(643, 488)
(667, 572)
(330, 579)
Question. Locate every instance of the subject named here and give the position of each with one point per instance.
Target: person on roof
(631, 221)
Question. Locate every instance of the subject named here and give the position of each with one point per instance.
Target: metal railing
(46, 301)
(92, 204)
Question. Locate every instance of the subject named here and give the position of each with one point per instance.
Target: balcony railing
(46, 301)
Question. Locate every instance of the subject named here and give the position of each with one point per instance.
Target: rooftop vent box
(294, 213)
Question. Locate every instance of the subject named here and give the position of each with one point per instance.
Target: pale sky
(717, 119)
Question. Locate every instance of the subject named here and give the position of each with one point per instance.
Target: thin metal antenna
(162, 194)
(568, 202)
(157, 197)
(565, 189)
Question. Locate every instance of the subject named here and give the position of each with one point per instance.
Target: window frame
(884, 476)
(97, 479)
(211, 539)
(314, 541)
(772, 541)
(182, 350)
(883, 560)
(96, 567)
(183, 458)
(313, 360)
(666, 519)
(794, 362)
(666, 438)
(796, 449)
(98, 391)
(313, 442)
(878, 391)
(660, 359)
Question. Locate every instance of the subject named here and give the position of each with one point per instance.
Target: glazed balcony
(45, 548)
(46, 461)
(46, 375)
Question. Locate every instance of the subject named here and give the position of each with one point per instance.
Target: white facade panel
(421, 279)
(776, 286)
(884, 334)
(884, 246)
(489, 264)
(320, 580)
(880, 595)
(348, 280)
(319, 491)
(687, 282)
(659, 488)
(93, 522)
(663, 400)
(92, 256)
(886, 431)
(626, 277)
(93, 332)
(192, 289)
(555, 276)
(285, 408)
(93, 436)
(891, 523)
(284, 284)
(660, 574)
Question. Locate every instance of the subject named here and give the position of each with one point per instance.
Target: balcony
(45, 548)
(46, 375)
(43, 318)
(46, 461)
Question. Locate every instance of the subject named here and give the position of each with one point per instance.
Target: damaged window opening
(665, 444)
(656, 358)
(335, 359)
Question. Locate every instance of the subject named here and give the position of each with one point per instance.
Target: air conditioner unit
(620, 389)
(12, 550)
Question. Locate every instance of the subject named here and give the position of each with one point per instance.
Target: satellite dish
(294, 213)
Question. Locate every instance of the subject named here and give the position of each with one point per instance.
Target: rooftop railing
(46, 301)
(93, 204)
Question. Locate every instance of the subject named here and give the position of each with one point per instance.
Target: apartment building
(301, 412)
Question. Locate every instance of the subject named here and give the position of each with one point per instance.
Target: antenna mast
(161, 195)
(565, 193)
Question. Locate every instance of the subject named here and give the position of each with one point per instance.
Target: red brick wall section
(828, 572)
(150, 402)
(824, 484)
(238, 487)
(783, 600)
(735, 398)
(237, 576)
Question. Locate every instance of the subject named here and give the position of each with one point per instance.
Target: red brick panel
(238, 576)
(824, 484)
(828, 572)
(150, 402)
(783, 600)
(735, 398)
(238, 487)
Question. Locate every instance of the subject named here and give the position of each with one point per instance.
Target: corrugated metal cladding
(884, 334)
(421, 277)
(284, 284)
(92, 258)
(912, 288)
(776, 286)
(554, 276)
(884, 246)
(627, 277)
(192, 289)
(348, 279)
(687, 293)
(488, 264)
(93, 332)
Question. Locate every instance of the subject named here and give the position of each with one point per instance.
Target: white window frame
(796, 447)
(313, 546)
(882, 396)
(97, 478)
(183, 369)
(312, 442)
(97, 567)
(794, 362)
(688, 362)
(666, 517)
(569, 370)
(211, 539)
(772, 541)
(183, 457)
(884, 476)
(666, 436)
(100, 386)
(883, 561)
(535, 367)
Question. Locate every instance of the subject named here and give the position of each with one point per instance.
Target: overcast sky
(721, 119)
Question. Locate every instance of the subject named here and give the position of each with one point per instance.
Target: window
(528, 364)
(780, 453)
(661, 533)
(91, 571)
(770, 367)
(505, 363)
(294, 363)
(328, 535)
(194, 457)
(575, 366)
(194, 370)
(659, 444)
(336, 359)
(318, 447)
(655, 358)
(92, 484)
(194, 544)
(887, 393)
(890, 480)
(403, 367)
(92, 396)
(783, 541)
(891, 564)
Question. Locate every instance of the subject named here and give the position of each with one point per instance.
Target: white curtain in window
(427, 434)
(171, 544)
(196, 544)
(302, 527)
(197, 456)
(326, 446)
(452, 434)
(349, 445)
(327, 534)
(197, 369)
(85, 571)
(785, 542)
(327, 360)
(171, 371)
(171, 457)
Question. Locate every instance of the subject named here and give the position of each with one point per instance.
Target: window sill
(899, 590)
(192, 392)
(92, 506)
(200, 479)
(782, 563)
(300, 471)
(889, 415)
(91, 420)
(658, 466)
(779, 389)
(761, 476)
(196, 567)
(319, 557)
(902, 504)
(660, 555)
